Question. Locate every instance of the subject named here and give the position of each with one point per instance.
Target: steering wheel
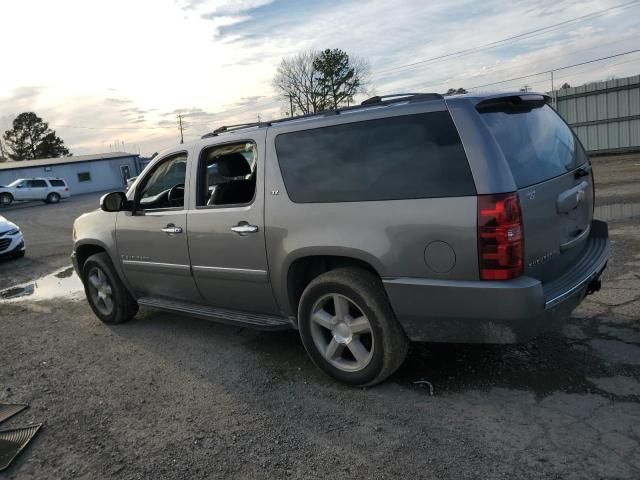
(175, 197)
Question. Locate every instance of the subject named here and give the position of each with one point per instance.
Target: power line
(554, 69)
(496, 70)
(520, 36)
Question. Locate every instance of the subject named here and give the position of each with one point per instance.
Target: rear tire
(107, 296)
(348, 327)
(53, 197)
(6, 199)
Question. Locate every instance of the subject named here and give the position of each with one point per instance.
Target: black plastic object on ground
(13, 441)
(8, 410)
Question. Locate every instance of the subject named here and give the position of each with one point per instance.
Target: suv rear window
(57, 183)
(410, 156)
(536, 142)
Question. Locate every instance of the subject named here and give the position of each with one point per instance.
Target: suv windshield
(537, 144)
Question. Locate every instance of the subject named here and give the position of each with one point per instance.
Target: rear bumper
(510, 311)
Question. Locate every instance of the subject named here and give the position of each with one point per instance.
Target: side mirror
(113, 202)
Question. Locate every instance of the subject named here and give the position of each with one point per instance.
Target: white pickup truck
(49, 190)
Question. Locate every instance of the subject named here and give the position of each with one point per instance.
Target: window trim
(143, 183)
(200, 176)
(383, 117)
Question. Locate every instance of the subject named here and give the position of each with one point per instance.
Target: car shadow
(551, 363)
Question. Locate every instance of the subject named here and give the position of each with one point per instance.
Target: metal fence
(604, 115)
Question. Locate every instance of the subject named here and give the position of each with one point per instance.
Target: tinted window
(537, 144)
(37, 184)
(227, 175)
(57, 183)
(413, 156)
(84, 177)
(164, 186)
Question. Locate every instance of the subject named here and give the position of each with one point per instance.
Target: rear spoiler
(526, 101)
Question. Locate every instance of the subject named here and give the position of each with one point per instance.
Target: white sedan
(11, 239)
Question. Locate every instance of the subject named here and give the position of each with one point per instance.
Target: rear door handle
(244, 228)
(170, 229)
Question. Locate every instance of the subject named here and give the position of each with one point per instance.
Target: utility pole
(181, 135)
(553, 92)
(290, 105)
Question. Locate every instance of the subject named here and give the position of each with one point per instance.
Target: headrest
(233, 165)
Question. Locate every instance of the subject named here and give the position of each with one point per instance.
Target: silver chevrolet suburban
(410, 217)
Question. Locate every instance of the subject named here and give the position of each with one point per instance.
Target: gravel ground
(167, 396)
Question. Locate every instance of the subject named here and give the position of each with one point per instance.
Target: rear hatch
(553, 176)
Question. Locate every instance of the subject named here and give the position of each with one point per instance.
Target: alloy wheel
(100, 291)
(342, 332)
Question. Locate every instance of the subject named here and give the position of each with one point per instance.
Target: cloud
(213, 60)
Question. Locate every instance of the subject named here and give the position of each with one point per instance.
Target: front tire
(53, 197)
(6, 199)
(108, 297)
(348, 328)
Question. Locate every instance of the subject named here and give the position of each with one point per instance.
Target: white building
(83, 173)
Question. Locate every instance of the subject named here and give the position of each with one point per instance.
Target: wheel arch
(7, 192)
(85, 250)
(304, 268)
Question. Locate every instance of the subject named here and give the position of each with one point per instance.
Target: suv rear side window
(57, 183)
(410, 156)
(536, 142)
(37, 184)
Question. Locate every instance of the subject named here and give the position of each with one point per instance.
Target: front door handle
(244, 228)
(171, 229)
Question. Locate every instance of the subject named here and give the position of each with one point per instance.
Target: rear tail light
(500, 237)
(66, 189)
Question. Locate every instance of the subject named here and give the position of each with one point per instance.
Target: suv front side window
(164, 187)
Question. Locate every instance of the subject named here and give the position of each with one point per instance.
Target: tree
(565, 86)
(3, 155)
(313, 81)
(339, 77)
(31, 138)
(456, 91)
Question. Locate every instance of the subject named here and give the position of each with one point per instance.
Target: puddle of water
(617, 211)
(61, 283)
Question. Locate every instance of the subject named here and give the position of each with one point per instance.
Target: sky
(113, 76)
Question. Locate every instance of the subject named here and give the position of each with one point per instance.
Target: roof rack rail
(377, 100)
(237, 126)
(396, 97)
